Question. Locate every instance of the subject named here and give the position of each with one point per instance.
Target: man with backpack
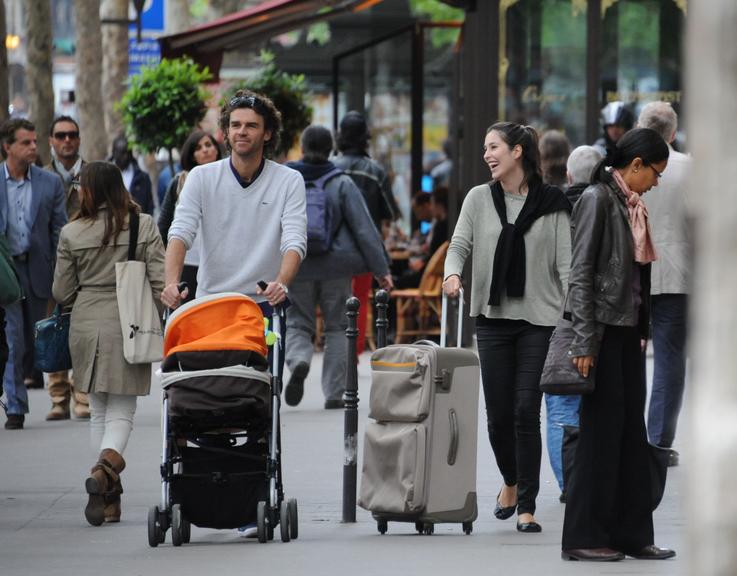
(342, 241)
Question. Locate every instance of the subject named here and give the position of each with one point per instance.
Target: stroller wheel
(177, 532)
(262, 522)
(155, 533)
(284, 521)
(293, 519)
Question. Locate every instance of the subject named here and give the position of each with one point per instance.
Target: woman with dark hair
(609, 504)
(199, 148)
(517, 296)
(84, 279)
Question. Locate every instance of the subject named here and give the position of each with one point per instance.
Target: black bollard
(382, 303)
(350, 427)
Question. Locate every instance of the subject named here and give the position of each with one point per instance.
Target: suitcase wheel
(467, 528)
(382, 526)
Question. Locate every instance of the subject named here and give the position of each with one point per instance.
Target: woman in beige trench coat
(84, 278)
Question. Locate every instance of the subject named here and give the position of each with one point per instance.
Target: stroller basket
(225, 498)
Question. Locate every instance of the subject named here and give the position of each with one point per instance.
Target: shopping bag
(143, 336)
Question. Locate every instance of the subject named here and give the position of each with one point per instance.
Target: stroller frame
(270, 513)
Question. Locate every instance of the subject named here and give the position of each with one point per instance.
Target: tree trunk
(39, 71)
(88, 79)
(114, 66)
(177, 16)
(712, 82)
(4, 88)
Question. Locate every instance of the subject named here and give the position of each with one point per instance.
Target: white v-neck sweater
(244, 231)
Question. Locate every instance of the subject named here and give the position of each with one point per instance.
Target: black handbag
(51, 342)
(560, 375)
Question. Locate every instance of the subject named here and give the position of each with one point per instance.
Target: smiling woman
(516, 298)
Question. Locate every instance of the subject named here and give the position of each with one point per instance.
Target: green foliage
(436, 11)
(290, 95)
(164, 103)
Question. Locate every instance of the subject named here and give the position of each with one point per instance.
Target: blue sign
(152, 17)
(147, 52)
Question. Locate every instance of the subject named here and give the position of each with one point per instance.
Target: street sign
(147, 52)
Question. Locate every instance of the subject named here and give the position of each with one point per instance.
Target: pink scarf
(644, 248)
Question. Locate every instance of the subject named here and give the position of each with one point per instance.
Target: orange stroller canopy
(227, 321)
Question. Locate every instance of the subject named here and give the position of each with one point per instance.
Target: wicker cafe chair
(418, 309)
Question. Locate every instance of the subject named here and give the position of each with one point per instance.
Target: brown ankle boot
(103, 480)
(112, 503)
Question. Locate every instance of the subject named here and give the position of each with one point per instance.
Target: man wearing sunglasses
(66, 163)
(249, 210)
(32, 214)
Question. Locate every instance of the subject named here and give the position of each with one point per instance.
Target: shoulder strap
(133, 229)
(327, 176)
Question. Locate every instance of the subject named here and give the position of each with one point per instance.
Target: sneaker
(296, 387)
(248, 531)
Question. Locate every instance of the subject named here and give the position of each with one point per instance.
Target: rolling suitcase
(419, 459)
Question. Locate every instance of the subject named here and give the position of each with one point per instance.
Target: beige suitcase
(419, 457)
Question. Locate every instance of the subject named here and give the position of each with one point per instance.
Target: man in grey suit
(670, 280)
(32, 213)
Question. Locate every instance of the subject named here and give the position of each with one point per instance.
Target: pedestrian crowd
(554, 234)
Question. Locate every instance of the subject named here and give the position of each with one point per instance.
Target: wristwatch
(283, 287)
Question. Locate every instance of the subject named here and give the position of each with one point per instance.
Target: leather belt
(21, 257)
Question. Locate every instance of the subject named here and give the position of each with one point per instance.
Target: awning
(205, 44)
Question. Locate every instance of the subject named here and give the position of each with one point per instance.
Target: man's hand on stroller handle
(173, 294)
(275, 291)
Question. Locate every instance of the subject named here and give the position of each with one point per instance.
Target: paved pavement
(43, 531)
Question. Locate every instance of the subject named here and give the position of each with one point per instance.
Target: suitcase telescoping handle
(444, 320)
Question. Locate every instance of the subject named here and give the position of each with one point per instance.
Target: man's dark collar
(241, 181)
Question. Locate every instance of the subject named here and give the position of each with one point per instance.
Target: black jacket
(600, 285)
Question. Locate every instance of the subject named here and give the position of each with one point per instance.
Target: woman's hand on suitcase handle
(452, 285)
(583, 364)
(173, 294)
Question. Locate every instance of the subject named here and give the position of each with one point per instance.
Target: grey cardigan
(548, 258)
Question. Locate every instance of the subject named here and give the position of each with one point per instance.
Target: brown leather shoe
(652, 552)
(592, 554)
(59, 411)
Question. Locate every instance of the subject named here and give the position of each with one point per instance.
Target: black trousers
(609, 501)
(512, 354)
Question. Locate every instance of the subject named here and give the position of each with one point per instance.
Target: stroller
(221, 452)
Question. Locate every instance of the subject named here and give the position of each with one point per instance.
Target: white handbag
(143, 336)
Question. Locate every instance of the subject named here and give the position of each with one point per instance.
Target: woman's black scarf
(509, 257)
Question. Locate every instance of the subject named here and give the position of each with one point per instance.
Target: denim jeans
(561, 411)
(668, 313)
(331, 296)
(512, 354)
(20, 320)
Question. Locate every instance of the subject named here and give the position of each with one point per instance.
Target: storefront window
(542, 65)
(641, 52)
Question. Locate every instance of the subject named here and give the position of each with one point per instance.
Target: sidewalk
(43, 531)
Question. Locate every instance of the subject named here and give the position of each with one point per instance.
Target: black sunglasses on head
(73, 135)
(245, 101)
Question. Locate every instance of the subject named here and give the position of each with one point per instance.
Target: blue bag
(51, 342)
(319, 215)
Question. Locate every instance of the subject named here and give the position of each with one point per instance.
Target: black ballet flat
(529, 527)
(501, 512)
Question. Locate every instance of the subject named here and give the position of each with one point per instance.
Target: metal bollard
(382, 303)
(350, 426)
